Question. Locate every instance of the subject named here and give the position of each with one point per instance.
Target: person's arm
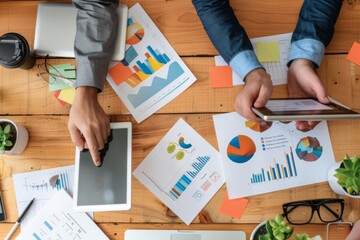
(233, 44)
(95, 38)
(313, 32)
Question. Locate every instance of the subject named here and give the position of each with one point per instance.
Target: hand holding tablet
(105, 188)
(294, 109)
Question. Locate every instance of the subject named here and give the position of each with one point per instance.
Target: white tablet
(288, 109)
(108, 187)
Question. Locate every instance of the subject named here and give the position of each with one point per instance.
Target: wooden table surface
(25, 99)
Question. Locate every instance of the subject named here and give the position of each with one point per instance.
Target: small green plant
(279, 230)
(4, 138)
(348, 174)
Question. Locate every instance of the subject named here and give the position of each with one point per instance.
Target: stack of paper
(57, 221)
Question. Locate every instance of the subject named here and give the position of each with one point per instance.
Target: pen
(19, 219)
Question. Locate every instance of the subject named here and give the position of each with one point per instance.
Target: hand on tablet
(256, 92)
(88, 125)
(303, 81)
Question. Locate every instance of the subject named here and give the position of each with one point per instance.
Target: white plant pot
(252, 236)
(332, 180)
(22, 137)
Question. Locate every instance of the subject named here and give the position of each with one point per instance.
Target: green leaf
(349, 190)
(280, 236)
(348, 164)
(8, 143)
(7, 129)
(264, 237)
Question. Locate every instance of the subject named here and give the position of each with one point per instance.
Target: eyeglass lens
(327, 211)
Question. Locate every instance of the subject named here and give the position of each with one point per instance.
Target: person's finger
(243, 106)
(76, 136)
(263, 97)
(91, 142)
(99, 135)
(303, 126)
(313, 124)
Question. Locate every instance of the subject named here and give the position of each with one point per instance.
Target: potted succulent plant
(277, 229)
(344, 177)
(13, 137)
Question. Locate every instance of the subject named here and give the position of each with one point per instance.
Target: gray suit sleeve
(96, 25)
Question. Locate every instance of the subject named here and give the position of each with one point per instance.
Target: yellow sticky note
(268, 51)
(67, 95)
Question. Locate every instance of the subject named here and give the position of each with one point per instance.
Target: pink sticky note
(354, 53)
(221, 76)
(234, 207)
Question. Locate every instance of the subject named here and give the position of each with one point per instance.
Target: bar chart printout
(187, 178)
(278, 157)
(41, 185)
(57, 221)
(277, 171)
(183, 170)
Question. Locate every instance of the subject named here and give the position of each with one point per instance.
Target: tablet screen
(109, 183)
(303, 109)
(295, 105)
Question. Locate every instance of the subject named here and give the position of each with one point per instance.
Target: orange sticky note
(221, 76)
(120, 73)
(234, 207)
(354, 53)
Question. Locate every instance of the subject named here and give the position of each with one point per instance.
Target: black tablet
(108, 187)
(288, 109)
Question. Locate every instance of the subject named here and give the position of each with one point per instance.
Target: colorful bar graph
(185, 180)
(63, 182)
(277, 171)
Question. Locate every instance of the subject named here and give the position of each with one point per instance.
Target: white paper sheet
(37, 185)
(57, 221)
(277, 70)
(183, 170)
(152, 74)
(275, 156)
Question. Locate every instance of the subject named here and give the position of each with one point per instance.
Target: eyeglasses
(301, 212)
(51, 74)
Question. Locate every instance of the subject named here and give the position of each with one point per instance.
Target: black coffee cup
(15, 52)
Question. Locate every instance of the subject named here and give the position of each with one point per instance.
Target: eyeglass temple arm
(330, 210)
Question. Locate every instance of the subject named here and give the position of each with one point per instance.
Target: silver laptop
(136, 234)
(56, 28)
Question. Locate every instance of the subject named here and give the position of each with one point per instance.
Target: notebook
(140, 234)
(56, 28)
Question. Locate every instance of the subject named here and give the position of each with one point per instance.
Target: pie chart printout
(258, 127)
(241, 149)
(309, 149)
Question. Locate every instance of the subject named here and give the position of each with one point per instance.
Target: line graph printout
(183, 170)
(152, 73)
(260, 158)
(41, 185)
(277, 69)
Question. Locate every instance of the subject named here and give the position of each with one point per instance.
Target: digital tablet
(108, 187)
(288, 109)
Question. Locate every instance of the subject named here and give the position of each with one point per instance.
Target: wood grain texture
(25, 98)
(116, 231)
(50, 146)
(178, 21)
(23, 92)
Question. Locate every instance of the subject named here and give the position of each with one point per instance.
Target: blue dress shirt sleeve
(314, 30)
(227, 35)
